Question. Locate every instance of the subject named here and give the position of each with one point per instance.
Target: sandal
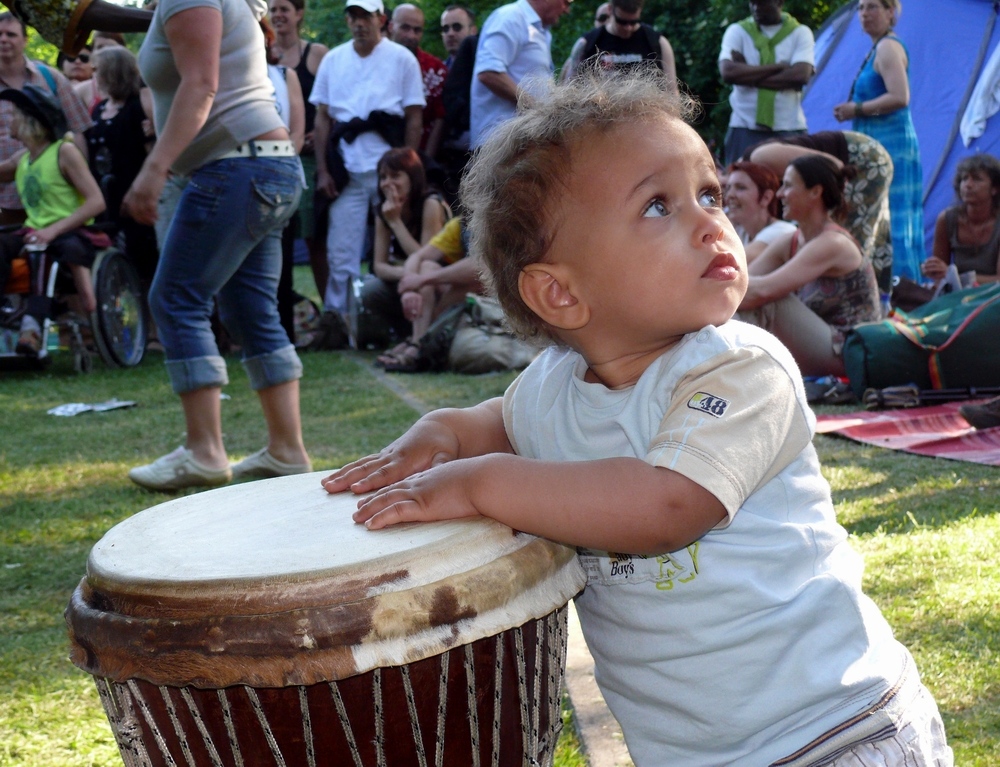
(406, 361)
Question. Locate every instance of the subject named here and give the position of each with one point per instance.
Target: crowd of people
(725, 544)
(381, 131)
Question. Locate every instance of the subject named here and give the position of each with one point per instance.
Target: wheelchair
(119, 326)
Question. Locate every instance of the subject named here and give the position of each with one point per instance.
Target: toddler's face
(641, 227)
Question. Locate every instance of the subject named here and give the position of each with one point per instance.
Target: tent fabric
(985, 101)
(951, 43)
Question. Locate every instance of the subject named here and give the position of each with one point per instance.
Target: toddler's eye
(711, 198)
(655, 208)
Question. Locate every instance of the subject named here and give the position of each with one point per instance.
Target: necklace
(297, 47)
(865, 64)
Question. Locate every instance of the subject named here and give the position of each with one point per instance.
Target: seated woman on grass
(967, 234)
(60, 197)
(811, 286)
(409, 215)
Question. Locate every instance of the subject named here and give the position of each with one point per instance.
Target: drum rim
(219, 653)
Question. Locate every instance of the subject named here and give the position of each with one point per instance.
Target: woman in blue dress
(879, 107)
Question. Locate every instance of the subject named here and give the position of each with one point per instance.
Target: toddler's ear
(546, 289)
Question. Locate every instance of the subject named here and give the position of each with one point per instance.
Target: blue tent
(950, 43)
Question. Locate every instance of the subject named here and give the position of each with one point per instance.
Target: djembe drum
(257, 624)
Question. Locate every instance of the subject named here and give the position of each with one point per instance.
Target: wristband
(859, 109)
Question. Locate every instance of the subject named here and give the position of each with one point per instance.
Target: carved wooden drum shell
(257, 624)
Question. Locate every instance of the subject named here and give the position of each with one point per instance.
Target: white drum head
(272, 583)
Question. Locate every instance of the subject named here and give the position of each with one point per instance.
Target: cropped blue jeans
(222, 238)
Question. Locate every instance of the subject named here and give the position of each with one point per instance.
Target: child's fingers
(343, 477)
(388, 507)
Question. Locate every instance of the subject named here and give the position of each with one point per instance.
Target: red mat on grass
(937, 431)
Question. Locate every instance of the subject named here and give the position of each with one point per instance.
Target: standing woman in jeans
(234, 181)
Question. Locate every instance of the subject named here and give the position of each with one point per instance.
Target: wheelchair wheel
(120, 321)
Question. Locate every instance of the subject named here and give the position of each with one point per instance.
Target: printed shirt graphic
(768, 598)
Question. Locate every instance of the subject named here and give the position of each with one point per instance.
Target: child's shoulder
(734, 335)
(711, 343)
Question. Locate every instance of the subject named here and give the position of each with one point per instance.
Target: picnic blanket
(937, 431)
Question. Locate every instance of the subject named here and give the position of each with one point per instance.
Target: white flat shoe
(178, 470)
(262, 464)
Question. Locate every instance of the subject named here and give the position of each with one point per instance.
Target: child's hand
(443, 492)
(425, 445)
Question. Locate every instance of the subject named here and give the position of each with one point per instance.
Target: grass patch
(928, 530)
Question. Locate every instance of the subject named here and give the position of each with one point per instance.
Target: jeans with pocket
(223, 239)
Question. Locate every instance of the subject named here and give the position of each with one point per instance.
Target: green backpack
(950, 342)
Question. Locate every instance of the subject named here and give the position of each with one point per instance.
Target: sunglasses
(626, 22)
(602, 18)
(83, 58)
(454, 27)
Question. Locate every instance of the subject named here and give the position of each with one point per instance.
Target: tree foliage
(693, 27)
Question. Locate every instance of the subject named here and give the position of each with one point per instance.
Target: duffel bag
(950, 342)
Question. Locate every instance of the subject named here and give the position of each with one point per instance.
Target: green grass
(928, 530)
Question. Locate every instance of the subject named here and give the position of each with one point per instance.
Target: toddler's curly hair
(518, 174)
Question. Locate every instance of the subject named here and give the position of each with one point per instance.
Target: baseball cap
(39, 104)
(372, 6)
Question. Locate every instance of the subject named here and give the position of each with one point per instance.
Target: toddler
(668, 442)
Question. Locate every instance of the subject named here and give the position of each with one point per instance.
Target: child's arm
(615, 504)
(74, 169)
(8, 168)
(438, 437)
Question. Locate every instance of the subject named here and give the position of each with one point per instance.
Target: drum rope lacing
(307, 728)
(470, 688)
(178, 730)
(345, 723)
(148, 716)
(200, 724)
(268, 734)
(227, 716)
(120, 700)
(124, 725)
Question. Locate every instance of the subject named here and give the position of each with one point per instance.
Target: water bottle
(52, 340)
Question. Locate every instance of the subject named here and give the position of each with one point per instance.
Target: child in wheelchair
(60, 197)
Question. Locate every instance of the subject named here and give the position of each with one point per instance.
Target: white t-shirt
(769, 233)
(514, 41)
(795, 48)
(388, 79)
(756, 639)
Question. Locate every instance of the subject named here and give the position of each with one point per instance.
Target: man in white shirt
(377, 84)
(768, 59)
(515, 44)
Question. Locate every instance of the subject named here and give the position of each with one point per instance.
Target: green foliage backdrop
(694, 28)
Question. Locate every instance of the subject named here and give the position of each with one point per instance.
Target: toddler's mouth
(723, 267)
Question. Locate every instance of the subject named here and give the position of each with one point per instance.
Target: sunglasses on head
(453, 27)
(626, 22)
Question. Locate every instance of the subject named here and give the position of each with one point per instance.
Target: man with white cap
(369, 97)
